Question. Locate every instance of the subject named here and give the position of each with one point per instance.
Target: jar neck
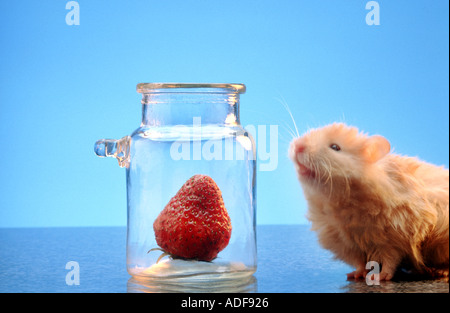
(179, 108)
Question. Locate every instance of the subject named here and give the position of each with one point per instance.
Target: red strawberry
(195, 223)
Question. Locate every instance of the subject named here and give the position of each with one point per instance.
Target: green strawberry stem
(172, 257)
(162, 255)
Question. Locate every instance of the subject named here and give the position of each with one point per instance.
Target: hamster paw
(438, 272)
(385, 275)
(359, 273)
(442, 273)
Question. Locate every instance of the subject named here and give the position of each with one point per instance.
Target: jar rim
(190, 87)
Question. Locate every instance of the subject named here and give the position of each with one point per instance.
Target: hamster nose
(300, 148)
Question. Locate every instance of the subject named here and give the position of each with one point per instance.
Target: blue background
(63, 87)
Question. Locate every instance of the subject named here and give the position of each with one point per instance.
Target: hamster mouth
(305, 171)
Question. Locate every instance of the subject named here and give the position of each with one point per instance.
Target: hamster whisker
(285, 139)
(282, 124)
(285, 105)
(329, 179)
(323, 175)
(289, 130)
(316, 169)
(346, 181)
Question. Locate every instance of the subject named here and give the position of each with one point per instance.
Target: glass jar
(187, 130)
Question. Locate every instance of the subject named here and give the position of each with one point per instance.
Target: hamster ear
(376, 148)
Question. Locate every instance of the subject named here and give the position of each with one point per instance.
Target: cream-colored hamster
(368, 204)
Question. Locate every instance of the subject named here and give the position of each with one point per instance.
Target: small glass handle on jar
(119, 149)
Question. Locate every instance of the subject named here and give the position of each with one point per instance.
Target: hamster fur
(367, 204)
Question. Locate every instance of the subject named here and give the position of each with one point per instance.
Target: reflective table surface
(289, 261)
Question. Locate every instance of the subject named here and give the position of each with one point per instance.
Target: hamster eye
(335, 147)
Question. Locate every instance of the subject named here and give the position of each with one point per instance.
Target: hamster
(367, 204)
